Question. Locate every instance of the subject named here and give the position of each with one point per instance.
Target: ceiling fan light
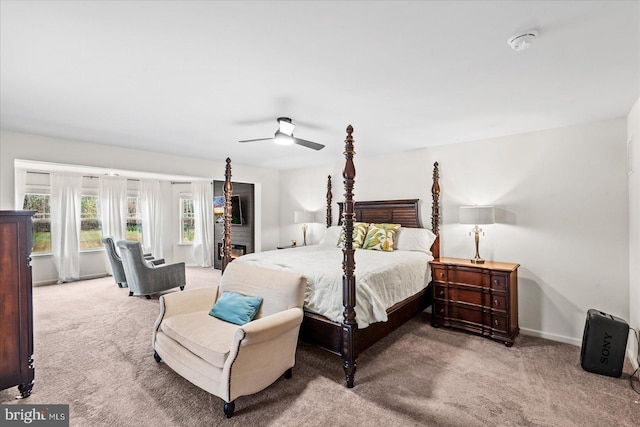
(286, 126)
(281, 138)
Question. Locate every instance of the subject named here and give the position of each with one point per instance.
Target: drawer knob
(441, 274)
(496, 322)
(442, 310)
(441, 293)
(496, 302)
(495, 281)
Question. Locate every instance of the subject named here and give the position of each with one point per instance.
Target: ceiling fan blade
(308, 144)
(255, 140)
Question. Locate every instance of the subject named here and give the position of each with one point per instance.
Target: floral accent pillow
(380, 237)
(359, 233)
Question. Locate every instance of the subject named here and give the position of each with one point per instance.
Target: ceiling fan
(284, 136)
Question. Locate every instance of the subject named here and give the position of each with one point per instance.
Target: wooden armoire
(16, 307)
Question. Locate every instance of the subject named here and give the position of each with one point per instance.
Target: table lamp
(303, 217)
(477, 215)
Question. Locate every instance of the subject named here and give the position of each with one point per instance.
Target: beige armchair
(225, 359)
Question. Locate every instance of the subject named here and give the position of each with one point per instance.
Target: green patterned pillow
(359, 232)
(380, 237)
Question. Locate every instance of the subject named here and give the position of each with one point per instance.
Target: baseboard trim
(552, 337)
(632, 358)
(54, 281)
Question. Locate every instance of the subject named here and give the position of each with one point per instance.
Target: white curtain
(151, 211)
(66, 194)
(20, 188)
(113, 207)
(203, 223)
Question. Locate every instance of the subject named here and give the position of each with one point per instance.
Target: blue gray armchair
(116, 261)
(143, 277)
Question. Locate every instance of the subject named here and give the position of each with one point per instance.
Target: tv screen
(236, 209)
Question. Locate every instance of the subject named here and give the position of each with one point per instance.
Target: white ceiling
(193, 78)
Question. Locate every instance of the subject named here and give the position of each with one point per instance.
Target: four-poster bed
(343, 336)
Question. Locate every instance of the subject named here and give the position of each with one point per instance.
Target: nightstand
(479, 298)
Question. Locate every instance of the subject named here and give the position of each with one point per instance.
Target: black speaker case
(604, 343)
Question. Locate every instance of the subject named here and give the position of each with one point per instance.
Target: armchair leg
(156, 356)
(288, 373)
(147, 296)
(229, 407)
(130, 293)
(120, 285)
(182, 288)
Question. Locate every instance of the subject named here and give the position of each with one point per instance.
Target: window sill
(85, 251)
(40, 254)
(186, 244)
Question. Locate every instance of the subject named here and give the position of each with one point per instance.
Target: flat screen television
(236, 209)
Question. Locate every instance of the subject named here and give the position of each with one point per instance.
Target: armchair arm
(164, 276)
(188, 301)
(268, 328)
(261, 351)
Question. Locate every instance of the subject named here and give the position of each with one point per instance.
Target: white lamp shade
(477, 215)
(303, 217)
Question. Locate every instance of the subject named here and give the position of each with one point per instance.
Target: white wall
(561, 200)
(23, 146)
(633, 138)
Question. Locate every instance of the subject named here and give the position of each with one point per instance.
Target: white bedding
(382, 278)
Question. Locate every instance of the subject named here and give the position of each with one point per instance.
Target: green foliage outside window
(41, 221)
(187, 222)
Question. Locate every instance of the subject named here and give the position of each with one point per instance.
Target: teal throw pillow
(236, 308)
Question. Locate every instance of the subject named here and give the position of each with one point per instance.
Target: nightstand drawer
(499, 302)
(466, 295)
(439, 291)
(439, 308)
(499, 323)
(468, 276)
(499, 282)
(467, 314)
(439, 274)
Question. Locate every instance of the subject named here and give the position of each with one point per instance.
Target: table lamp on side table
(303, 217)
(477, 215)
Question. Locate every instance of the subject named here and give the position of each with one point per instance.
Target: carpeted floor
(93, 351)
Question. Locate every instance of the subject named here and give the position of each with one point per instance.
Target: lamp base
(477, 261)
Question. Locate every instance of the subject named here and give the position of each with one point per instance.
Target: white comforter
(382, 278)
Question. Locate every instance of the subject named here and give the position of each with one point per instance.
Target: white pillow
(331, 235)
(415, 239)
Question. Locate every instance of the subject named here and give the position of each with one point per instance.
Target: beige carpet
(93, 351)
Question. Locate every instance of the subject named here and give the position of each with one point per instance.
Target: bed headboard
(403, 212)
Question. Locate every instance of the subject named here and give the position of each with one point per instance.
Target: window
(41, 221)
(90, 224)
(186, 221)
(134, 222)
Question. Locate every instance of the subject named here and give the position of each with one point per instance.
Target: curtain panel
(113, 207)
(151, 212)
(66, 194)
(20, 188)
(202, 193)
(113, 210)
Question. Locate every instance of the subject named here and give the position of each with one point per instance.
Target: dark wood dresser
(480, 298)
(16, 308)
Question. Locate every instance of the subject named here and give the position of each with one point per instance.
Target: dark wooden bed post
(226, 240)
(329, 196)
(435, 210)
(349, 324)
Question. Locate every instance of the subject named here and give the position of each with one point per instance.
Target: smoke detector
(522, 41)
